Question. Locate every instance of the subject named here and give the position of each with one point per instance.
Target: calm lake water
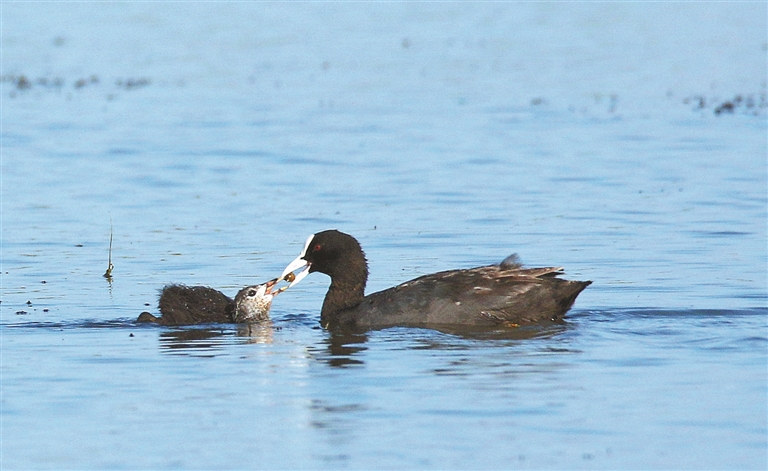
(625, 142)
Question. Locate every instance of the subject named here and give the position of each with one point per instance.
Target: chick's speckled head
(252, 303)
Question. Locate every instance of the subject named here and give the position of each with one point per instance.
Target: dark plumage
(187, 305)
(502, 294)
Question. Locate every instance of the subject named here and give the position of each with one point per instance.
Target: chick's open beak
(267, 287)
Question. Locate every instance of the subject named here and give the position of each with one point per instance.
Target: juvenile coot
(187, 305)
(502, 294)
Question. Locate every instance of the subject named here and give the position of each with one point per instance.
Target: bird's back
(490, 295)
(187, 305)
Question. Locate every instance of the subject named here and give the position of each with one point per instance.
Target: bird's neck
(346, 292)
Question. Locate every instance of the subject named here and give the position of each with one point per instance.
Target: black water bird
(503, 294)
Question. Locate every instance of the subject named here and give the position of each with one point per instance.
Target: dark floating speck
(21, 313)
(726, 107)
(755, 104)
(80, 83)
(52, 82)
(130, 84)
(23, 83)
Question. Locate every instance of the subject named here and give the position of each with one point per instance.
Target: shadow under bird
(502, 294)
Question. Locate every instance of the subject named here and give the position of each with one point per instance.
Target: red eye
(317, 248)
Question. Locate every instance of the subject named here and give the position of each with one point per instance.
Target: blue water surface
(625, 142)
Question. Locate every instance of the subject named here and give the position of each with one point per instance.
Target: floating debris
(92, 80)
(754, 103)
(23, 82)
(726, 107)
(131, 84)
(110, 267)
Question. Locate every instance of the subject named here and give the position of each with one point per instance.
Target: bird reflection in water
(257, 332)
(340, 349)
(344, 348)
(207, 341)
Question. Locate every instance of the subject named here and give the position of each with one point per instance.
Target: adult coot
(186, 305)
(502, 294)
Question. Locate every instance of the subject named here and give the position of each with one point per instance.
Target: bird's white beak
(299, 262)
(293, 266)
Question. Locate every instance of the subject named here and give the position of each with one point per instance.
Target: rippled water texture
(625, 142)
